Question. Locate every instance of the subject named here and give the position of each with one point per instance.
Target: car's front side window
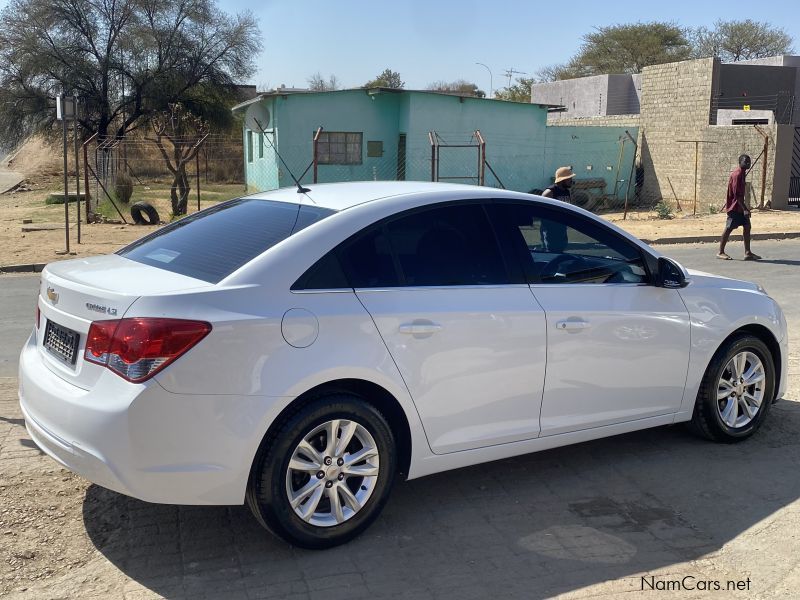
(557, 247)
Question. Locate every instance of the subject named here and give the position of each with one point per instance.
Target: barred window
(339, 148)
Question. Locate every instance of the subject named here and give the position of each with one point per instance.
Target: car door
(617, 346)
(469, 343)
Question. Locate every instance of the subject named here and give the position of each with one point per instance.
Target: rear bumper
(139, 439)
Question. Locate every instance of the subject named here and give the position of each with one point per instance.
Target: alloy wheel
(332, 472)
(740, 391)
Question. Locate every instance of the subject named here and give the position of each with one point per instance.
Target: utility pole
(510, 72)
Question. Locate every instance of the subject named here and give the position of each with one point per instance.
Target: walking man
(738, 213)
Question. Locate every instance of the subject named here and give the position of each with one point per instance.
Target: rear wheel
(325, 475)
(736, 391)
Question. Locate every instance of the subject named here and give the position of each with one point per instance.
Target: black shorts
(736, 219)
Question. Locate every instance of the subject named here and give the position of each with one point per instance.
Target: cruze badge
(101, 309)
(52, 295)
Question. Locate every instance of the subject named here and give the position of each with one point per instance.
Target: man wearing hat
(560, 188)
(554, 235)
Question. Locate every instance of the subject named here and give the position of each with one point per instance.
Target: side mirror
(670, 274)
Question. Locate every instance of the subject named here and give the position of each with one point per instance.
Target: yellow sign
(746, 107)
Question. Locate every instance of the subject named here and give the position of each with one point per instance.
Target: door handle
(572, 325)
(420, 327)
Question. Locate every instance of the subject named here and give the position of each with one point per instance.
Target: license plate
(61, 342)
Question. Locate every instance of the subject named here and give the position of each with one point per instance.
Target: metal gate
(794, 179)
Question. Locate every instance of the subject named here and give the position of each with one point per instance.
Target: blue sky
(432, 40)
(435, 40)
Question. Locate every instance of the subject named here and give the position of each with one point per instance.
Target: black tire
(707, 420)
(139, 209)
(267, 489)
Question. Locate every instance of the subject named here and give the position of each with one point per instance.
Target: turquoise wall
(299, 115)
(521, 149)
(261, 172)
(511, 131)
(593, 153)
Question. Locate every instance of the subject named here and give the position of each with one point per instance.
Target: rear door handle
(572, 325)
(420, 327)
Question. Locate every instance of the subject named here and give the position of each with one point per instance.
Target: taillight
(138, 348)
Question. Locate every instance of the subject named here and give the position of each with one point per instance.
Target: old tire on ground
(736, 392)
(140, 209)
(323, 476)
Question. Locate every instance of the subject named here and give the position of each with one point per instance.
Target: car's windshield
(212, 244)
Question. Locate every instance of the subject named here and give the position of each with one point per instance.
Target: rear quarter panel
(247, 355)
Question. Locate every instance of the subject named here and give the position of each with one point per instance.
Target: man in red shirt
(738, 213)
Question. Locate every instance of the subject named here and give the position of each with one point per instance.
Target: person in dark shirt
(554, 235)
(738, 213)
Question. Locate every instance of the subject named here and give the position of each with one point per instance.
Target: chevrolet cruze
(295, 351)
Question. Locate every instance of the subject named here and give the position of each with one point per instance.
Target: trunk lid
(74, 293)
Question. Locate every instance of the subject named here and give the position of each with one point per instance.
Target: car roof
(340, 196)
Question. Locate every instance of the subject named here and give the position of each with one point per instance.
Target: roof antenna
(300, 188)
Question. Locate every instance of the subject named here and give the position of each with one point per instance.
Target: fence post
(86, 174)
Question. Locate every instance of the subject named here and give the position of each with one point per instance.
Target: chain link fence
(214, 171)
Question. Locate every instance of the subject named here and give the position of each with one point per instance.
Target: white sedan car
(295, 351)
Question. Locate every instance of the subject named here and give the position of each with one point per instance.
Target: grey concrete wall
(726, 116)
(762, 87)
(616, 94)
(783, 61)
(623, 97)
(582, 97)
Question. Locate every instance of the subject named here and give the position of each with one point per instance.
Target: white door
(469, 343)
(617, 346)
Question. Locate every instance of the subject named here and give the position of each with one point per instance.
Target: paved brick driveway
(588, 519)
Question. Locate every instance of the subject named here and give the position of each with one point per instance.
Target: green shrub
(123, 187)
(664, 210)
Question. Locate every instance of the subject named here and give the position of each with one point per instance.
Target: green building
(389, 134)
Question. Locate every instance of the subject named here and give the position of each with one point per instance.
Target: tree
(127, 60)
(559, 71)
(184, 132)
(317, 83)
(733, 41)
(518, 92)
(459, 86)
(387, 79)
(626, 48)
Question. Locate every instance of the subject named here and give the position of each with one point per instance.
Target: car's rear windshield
(212, 244)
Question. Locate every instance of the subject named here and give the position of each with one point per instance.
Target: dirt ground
(647, 226)
(43, 246)
(18, 246)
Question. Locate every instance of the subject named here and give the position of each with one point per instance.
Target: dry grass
(20, 247)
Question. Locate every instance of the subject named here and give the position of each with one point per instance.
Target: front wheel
(326, 473)
(736, 392)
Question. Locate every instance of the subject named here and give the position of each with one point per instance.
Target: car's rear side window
(212, 244)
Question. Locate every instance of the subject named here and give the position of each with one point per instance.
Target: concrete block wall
(676, 106)
(599, 121)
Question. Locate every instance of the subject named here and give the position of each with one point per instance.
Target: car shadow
(532, 526)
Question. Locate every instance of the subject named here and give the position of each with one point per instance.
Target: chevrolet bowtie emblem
(52, 295)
